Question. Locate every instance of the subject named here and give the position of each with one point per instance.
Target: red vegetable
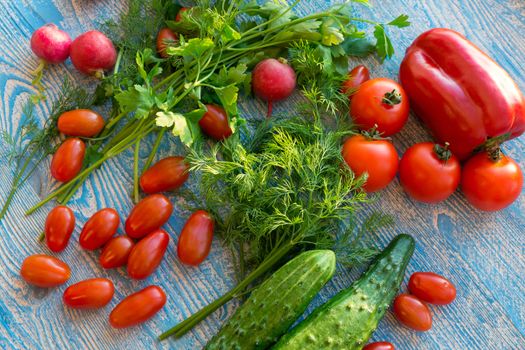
(99, 229)
(93, 53)
(80, 122)
(381, 103)
(429, 173)
(116, 252)
(60, 223)
(147, 254)
(89, 294)
(51, 44)
(376, 157)
(356, 77)
(379, 346)
(489, 184)
(273, 80)
(137, 307)
(214, 123)
(148, 215)
(460, 93)
(67, 160)
(195, 239)
(412, 312)
(167, 174)
(432, 288)
(165, 39)
(178, 18)
(44, 271)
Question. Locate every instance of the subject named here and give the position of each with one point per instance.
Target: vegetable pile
(282, 193)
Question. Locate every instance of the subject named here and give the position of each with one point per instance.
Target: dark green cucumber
(349, 319)
(275, 305)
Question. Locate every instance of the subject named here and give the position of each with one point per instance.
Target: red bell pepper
(460, 93)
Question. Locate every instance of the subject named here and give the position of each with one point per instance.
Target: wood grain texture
(482, 253)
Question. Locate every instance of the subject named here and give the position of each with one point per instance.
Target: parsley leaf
(383, 45)
(400, 22)
(138, 99)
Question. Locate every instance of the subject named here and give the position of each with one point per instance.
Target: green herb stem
(136, 196)
(153, 150)
(272, 259)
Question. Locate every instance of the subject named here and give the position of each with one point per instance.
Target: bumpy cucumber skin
(348, 320)
(275, 305)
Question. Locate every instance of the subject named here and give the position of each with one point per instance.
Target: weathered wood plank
(481, 253)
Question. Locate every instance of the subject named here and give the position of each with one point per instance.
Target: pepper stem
(392, 98)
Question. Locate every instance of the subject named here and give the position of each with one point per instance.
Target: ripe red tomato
(165, 39)
(89, 294)
(195, 239)
(376, 157)
(148, 215)
(356, 77)
(99, 229)
(383, 345)
(80, 122)
(137, 307)
(381, 102)
(412, 312)
(44, 271)
(67, 160)
(147, 254)
(116, 252)
(491, 185)
(178, 18)
(167, 174)
(214, 123)
(432, 288)
(427, 175)
(60, 223)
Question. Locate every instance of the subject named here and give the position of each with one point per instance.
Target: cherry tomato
(60, 223)
(167, 174)
(116, 252)
(178, 18)
(214, 123)
(165, 39)
(147, 254)
(381, 102)
(89, 294)
(44, 271)
(376, 157)
(356, 77)
(137, 307)
(80, 122)
(148, 215)
(412, 312)
(67, 160)
(383, 345)
(427, 175)
(432, 288)
(99, 229)
(491, 185)
(195, 239)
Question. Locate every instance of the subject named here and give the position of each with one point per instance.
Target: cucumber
(348, 319)
(274, 306)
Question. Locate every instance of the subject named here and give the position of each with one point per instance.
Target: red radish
(51, 44)
(273, 80)
(92, 53)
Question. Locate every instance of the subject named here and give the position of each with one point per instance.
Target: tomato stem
(392, 98)
(272, 259)
(443, 152)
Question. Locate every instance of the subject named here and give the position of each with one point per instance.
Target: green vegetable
(349, 318)
(278, 191)
(218, 43)
(275, 305)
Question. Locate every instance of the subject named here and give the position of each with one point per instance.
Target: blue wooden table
(483, 254)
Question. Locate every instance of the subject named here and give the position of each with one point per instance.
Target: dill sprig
(279, 190)
(32, 144)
